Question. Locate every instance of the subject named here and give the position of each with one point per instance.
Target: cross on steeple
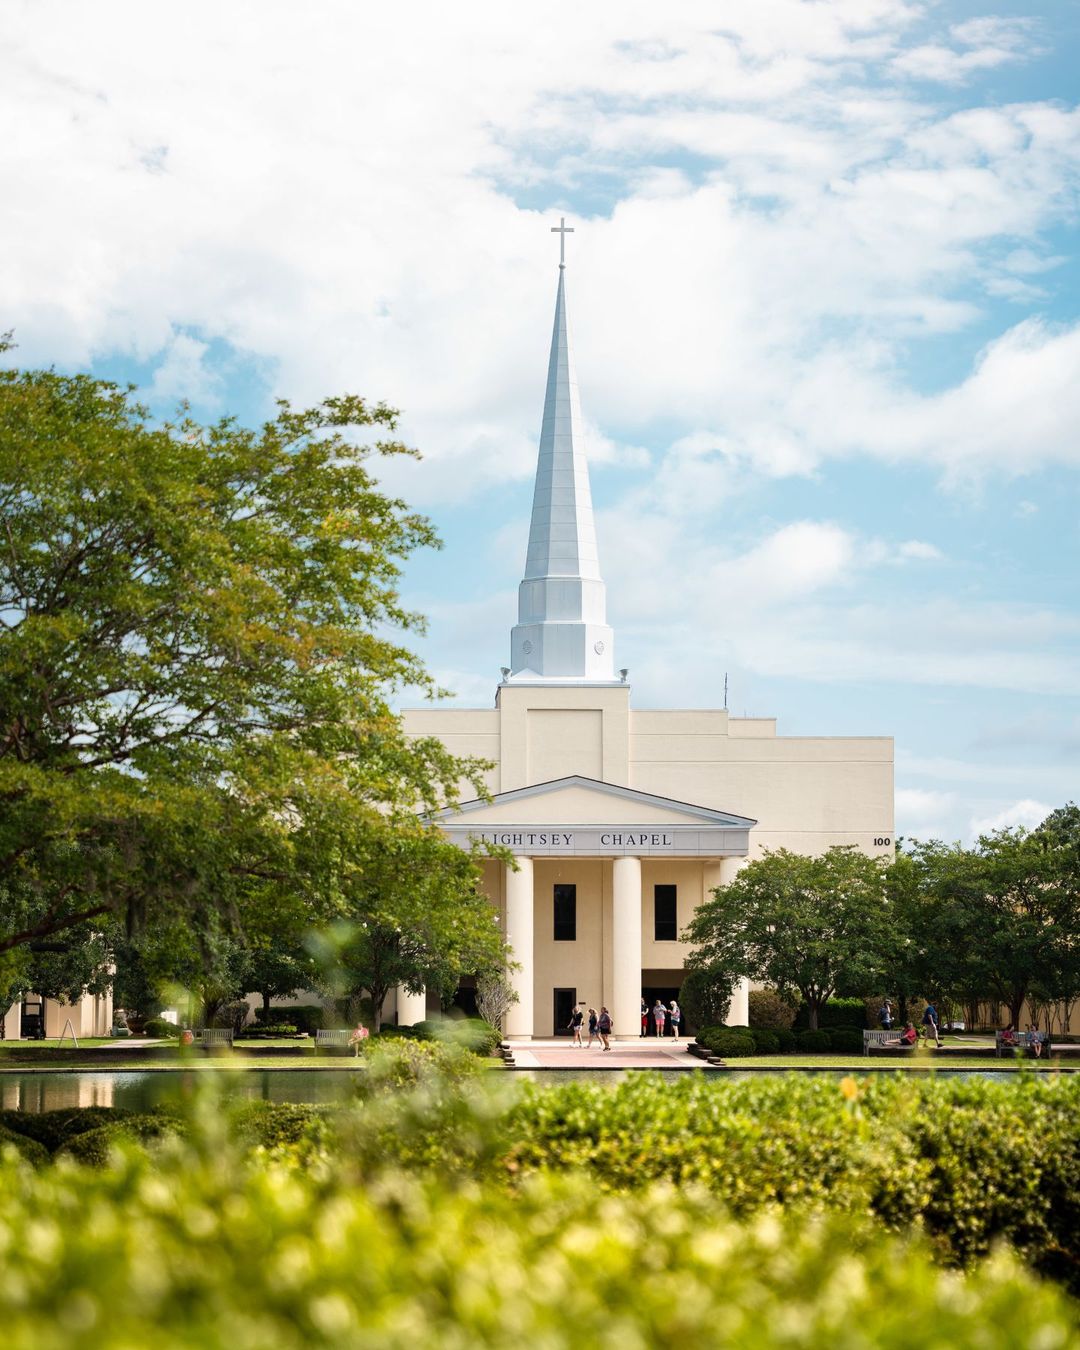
(562, 230)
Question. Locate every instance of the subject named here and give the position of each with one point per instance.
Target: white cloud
(1026, 812)
(923, 813)
(183, 373)
(919, 550)
(345, 217)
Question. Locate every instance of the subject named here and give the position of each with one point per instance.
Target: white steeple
(561, 635)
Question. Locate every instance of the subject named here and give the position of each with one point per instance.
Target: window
(565, 913)
(665, 914)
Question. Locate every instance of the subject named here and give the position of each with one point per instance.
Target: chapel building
(622, 820)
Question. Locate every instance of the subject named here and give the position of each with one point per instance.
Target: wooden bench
(883, 1038)
(334, 1037)
(216, 1036)
(1021, 1043)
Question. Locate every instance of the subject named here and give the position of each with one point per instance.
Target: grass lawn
(915, 1063)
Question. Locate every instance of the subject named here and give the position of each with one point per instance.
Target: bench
(335, 1037)
(215, 1036)
(881, 1039)
(1021, 1043)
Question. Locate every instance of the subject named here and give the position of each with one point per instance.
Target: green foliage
(705, 995)
(33, 1152)
(814, 926)
(202, 636)
(770, 1010)
(395, 1064)
(845, 1041)
(196, 1248)
(309, 1017)
(813, 1042)
(786, 1041)
(838, 1012)
(975, 1161)
(95, 1147)
(157, 1026)
(766, 1042)
(52, 1129)
(729, 1043)
(262, 1031)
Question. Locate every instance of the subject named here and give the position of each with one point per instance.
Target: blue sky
(824, 290)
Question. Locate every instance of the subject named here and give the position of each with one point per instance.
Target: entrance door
(665, 995)
(565, 999)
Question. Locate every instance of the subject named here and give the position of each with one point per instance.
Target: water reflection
(138, 1091)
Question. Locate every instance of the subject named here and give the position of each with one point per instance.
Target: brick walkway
(640, 1054)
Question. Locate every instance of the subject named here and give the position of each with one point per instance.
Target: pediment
(583, 801)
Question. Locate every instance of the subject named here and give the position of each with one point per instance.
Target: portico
(594, 864)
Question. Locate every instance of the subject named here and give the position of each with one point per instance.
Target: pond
(138, 1091)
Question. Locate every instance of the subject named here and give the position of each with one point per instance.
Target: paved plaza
(641, 1054)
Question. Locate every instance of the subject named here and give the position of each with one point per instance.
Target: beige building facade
(622, 820)
(34, 1017)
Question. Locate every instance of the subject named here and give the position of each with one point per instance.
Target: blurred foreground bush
(195, 1245)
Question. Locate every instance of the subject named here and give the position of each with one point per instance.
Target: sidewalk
(648, 1053)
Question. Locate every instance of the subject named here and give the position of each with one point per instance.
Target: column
(411, 1008)
(518, 1023)
(739, 1007)
(626, 948)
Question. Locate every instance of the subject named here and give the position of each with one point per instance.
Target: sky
(824, 289)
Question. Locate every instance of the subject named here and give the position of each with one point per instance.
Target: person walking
(675, 1017)
(930, 1024)
(594, 1034)
(603, 1026)
(576, 1019)
(644, 1017)
(659, 1014)
(885, 1015)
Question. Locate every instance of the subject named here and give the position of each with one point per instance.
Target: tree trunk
(378, 998)
(266, 1005)
(812, 1014)
(1016, 1007)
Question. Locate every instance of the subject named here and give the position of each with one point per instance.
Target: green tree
(200, 632)
(817, 926)
(413, 915)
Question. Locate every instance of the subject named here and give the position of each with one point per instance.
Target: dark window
(565, 913)
(666, 914)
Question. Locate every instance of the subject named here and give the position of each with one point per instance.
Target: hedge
(838, 1012)
(845, 1041)
(193, 1248)
(812, 1042)
(974, 1160)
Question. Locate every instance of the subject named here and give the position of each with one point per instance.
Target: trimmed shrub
(278, 1126)
(846, 1041)
(812, 1042)
(786, 1041)
(52, 1129)
(94, 1147)
(396, 1064)
(770, 1010)
(730, 1044)
(37, 1155)
(309, 1017)
(766, 1042)
(702, 1036)
(267, 1031)
(976, 1162)
(838, 1012)
(157, 1026)
(195, 1249)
